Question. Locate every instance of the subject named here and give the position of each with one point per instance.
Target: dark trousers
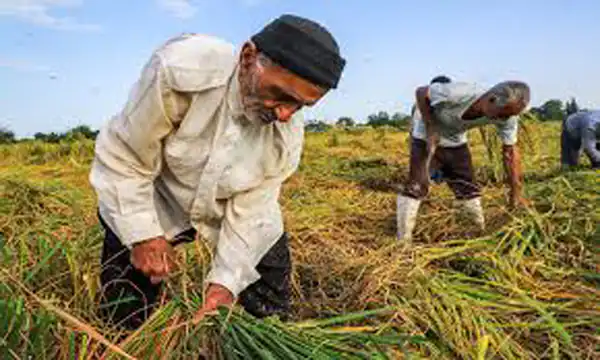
(128, 297)
(570, 148)
(454, 163)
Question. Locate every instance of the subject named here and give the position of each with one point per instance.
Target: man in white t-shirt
(444, 112)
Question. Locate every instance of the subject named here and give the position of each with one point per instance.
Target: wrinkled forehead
(295, 85)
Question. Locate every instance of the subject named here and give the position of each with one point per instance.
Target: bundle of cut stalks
(234, 334)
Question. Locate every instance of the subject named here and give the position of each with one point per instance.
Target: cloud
(22, 65)
(28, 67)
(37, 12)
(251, 3)
(181, 9)
(186, 9)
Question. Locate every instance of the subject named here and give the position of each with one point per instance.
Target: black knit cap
(440, 79)
(303, 47)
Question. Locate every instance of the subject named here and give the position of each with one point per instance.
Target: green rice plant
(233, 334)
(26, 333)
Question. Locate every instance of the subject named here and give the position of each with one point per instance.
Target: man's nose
(285, 112)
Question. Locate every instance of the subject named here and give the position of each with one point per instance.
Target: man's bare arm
(424, 105)
(514, 171)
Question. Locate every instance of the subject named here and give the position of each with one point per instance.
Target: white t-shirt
(450, 101)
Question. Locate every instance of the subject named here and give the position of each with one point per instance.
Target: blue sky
(70, 62)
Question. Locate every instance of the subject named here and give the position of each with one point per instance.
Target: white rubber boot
(406, 217)
(473, 210)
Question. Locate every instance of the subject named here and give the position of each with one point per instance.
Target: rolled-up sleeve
(128, 156)
(418, 126)
(438, 94)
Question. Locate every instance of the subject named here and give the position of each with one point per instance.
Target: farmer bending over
(581, 130)
(445, 111)
(203, 145)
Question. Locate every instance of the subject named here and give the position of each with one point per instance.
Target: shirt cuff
(137, 227)
(233, 275)
(509, 142)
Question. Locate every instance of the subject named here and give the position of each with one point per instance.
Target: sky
(65, 63)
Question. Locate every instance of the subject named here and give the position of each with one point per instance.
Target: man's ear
(248, 55)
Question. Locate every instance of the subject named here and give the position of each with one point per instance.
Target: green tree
(345, 121)
(79, 132)
(400, 121)
(50, 138)
(571, 107)
(6, 136)
(382, 118)
(552, 110)
(400, 118)
(315, 125)
(85, 131)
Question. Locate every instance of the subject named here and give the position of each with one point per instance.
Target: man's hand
(216, 295)
(154, 257)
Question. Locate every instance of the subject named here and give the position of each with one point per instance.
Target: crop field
(528, 287)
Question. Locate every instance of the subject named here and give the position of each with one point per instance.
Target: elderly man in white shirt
(444, 112)
(203, 145)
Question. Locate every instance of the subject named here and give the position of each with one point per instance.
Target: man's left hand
(216, 296)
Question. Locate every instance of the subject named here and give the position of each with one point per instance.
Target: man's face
(503, 100)
(504, 111)
(272, 92)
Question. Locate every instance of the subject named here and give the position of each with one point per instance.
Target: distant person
(203, 145)
(581, 131)
(445, 111)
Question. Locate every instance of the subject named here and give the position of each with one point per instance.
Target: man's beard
(252, 101)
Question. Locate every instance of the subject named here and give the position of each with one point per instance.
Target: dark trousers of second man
(455, 164)
(128, 297)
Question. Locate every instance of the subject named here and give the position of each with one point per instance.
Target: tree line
(77, 133)
(556, 110)
(551, 110)
(382, 118)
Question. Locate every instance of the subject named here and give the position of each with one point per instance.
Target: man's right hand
(154, 257)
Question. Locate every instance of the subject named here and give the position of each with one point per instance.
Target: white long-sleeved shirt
(183, 153)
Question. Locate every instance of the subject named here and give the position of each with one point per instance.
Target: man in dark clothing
(581, 131)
